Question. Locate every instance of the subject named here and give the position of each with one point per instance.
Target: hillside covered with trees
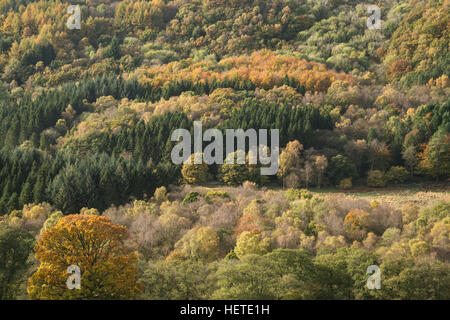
(86, 117)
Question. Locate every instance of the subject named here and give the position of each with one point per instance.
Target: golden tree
(200, 243)
(195, 173)
(94, 244)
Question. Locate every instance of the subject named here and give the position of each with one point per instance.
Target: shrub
(376, 178)
(160, 195)
(397, 175)
(409, 213)
(249, 185)
(432, 214)
(215, 194)
(345, 183)
(391, 235)
(374, 204)
(190, 197)
(294, 194)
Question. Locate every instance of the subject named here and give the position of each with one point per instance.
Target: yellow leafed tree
(94, 244)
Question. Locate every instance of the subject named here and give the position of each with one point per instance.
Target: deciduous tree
(95, 245)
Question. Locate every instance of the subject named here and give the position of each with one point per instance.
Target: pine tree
(26, 195)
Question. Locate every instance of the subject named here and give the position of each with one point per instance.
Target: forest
(86, 176)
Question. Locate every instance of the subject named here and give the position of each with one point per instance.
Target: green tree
(340, 168)
(396, 174)
(176, 280)
(409, 154)
(421, 280)
(15, 247)
(252, 277)
(26, 195)
(113, 50)
(343, 275)
(233, 174)
(439, 153)
(376, 178)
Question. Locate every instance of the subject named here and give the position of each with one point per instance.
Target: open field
(394, 197)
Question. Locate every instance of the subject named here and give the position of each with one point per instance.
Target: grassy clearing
(420, 196)
(395, 197)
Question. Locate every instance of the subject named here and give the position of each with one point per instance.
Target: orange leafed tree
(264, 68)
(95, 245)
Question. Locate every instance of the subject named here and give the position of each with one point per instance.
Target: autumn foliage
(264, 69)
(95, 245)
(86, 118)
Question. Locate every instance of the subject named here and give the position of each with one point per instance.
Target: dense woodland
(86, 118)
